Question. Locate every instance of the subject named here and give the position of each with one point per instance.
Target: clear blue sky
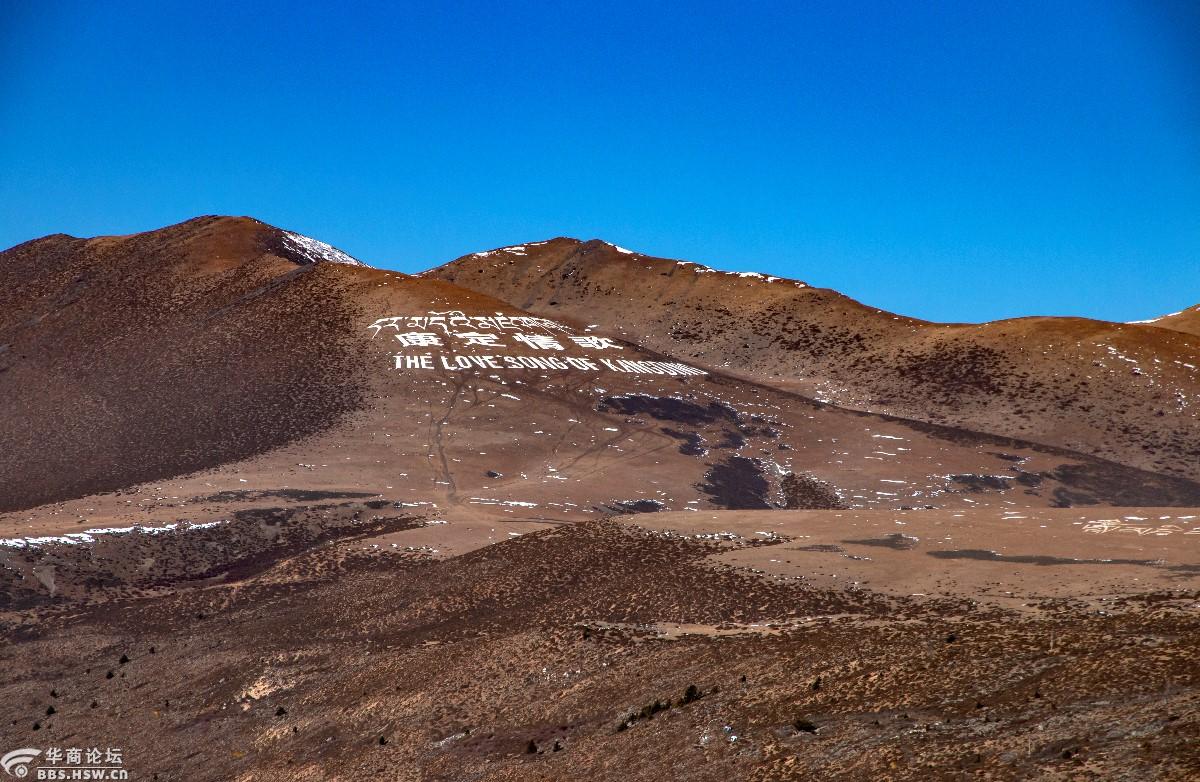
(953, 161)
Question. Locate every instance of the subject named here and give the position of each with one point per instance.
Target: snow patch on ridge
(317, 251)
(512, 249)
(621, 249)
(1156, 320)
(697, 268)
(700, 268)
(89, 536)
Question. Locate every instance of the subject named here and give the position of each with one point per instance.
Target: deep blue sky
(954, 161)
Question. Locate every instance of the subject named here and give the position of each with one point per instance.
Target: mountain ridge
(204, 344)
(1061, 380)
(1161, 321)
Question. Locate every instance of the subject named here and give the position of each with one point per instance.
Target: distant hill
(1126, 392)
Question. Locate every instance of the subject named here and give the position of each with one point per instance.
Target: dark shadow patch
(897, 540)
(1070, 498)
(667, 408)
(1030, 479)
(1095, 482)
(636, 506)
(981, 483)
(987, 555)
(1091, 481)
(730, 440)
(737, 483)
(296, 495)
(693, 444)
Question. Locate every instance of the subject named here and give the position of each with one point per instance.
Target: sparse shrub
(649, 710)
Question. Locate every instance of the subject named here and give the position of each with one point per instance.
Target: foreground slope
(612, 650)
(1126, 392)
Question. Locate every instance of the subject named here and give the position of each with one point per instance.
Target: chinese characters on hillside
(1105, 526)
(513, 342)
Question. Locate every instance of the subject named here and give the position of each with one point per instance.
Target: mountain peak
(306, 250)
(296, 247)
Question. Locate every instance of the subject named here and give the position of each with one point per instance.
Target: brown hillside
(1125, 392)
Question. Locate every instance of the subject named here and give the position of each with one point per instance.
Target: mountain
(134, 359)
(128, 358)
(1125, 392)
(268, 512)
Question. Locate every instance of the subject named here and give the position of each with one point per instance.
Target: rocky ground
(618, 649)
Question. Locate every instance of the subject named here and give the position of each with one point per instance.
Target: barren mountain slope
(124, 359)
(1126, 392)
(205, 344)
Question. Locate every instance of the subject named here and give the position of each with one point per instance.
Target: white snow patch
(514, 249)
(89, 536)
(620, 249)
(1156, 320)
(513, 503)
(316, 251)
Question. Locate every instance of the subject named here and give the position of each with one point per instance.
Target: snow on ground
(700, 268)
(510, 503)
(1156, 320)
(89, 536)
(620, 249)
(516, 249)
(316, 251)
